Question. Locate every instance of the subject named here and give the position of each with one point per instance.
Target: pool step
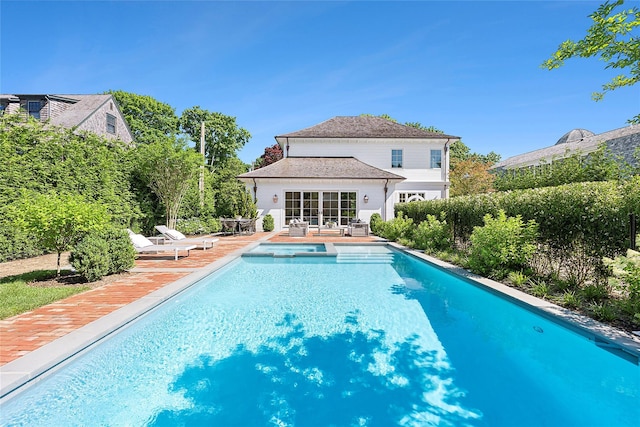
(348, 258)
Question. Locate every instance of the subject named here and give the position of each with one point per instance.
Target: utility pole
(201, 182)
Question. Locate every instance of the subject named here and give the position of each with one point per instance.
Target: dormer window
(111, 124)
(33, 108)
(396, 158)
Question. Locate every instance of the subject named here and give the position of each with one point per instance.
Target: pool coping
(34, 366)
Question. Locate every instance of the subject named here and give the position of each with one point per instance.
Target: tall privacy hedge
(594, 215)
(42, 159)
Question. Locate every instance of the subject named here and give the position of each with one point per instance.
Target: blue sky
(469, 68)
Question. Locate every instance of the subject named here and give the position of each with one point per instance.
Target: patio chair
(174, 236)
(247, 226)
(144, 245)
(298, 229)
(229, 225)
(358, 229)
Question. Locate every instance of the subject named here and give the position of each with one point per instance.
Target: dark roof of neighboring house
(321, 168)
(362, 127)
(577, 140)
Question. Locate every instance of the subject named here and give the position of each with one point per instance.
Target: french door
(320, 207)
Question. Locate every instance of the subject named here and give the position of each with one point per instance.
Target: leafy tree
(419, 125)
(168, 167)
(271, 155)
(231, 195)
(148, 118)
(223, 137)
(610, 39)
(471, 177)
(459, 151)
(58, 221)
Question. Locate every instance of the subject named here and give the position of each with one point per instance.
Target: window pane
(292, 206)
(396, 158)
(436, 159)
(111, 123)
(347, 207)
(33, 108)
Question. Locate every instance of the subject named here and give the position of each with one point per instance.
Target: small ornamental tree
(58, 221)
(471, 177)
(168, 167)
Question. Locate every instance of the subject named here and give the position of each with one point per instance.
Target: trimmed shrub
(90, 258)
(100, 254)
(502, 245)
(396, 228)
(433, 234)
(268, 223)
(374, 222)
(122, 255)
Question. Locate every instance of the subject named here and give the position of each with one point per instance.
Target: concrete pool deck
(33, 342)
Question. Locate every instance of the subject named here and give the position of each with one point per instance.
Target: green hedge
(594, 215)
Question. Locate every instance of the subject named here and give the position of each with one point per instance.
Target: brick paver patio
(26, 332)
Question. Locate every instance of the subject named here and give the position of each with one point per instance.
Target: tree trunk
(58, 270)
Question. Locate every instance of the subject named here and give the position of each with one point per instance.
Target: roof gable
(362, 127)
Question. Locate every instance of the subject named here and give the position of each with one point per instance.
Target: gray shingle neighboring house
(350, 167)
(621, 142)
(98, 114)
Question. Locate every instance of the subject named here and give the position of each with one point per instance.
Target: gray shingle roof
(362, 127)
(321, 168)
(79, 111)
(78, 107)
(567, 146)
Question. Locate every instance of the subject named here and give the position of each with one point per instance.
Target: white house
(349, 168)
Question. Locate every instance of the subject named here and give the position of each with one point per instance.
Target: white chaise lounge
(144, 245)
(176, 237)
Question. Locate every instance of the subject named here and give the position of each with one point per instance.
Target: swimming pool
(284, 249)
(315, 341)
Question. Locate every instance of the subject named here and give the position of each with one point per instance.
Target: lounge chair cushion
(139, 241)
(175, 234)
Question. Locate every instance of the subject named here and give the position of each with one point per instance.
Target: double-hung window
(33, 108)
(436, 159)
(111, 124)
(396, 158)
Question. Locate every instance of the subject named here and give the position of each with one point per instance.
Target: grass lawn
(17, 296)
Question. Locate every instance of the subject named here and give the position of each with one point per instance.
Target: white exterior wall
(373, 189)
(416, 154)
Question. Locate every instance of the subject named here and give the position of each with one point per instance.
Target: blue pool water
(287, 249)
(307, 341)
